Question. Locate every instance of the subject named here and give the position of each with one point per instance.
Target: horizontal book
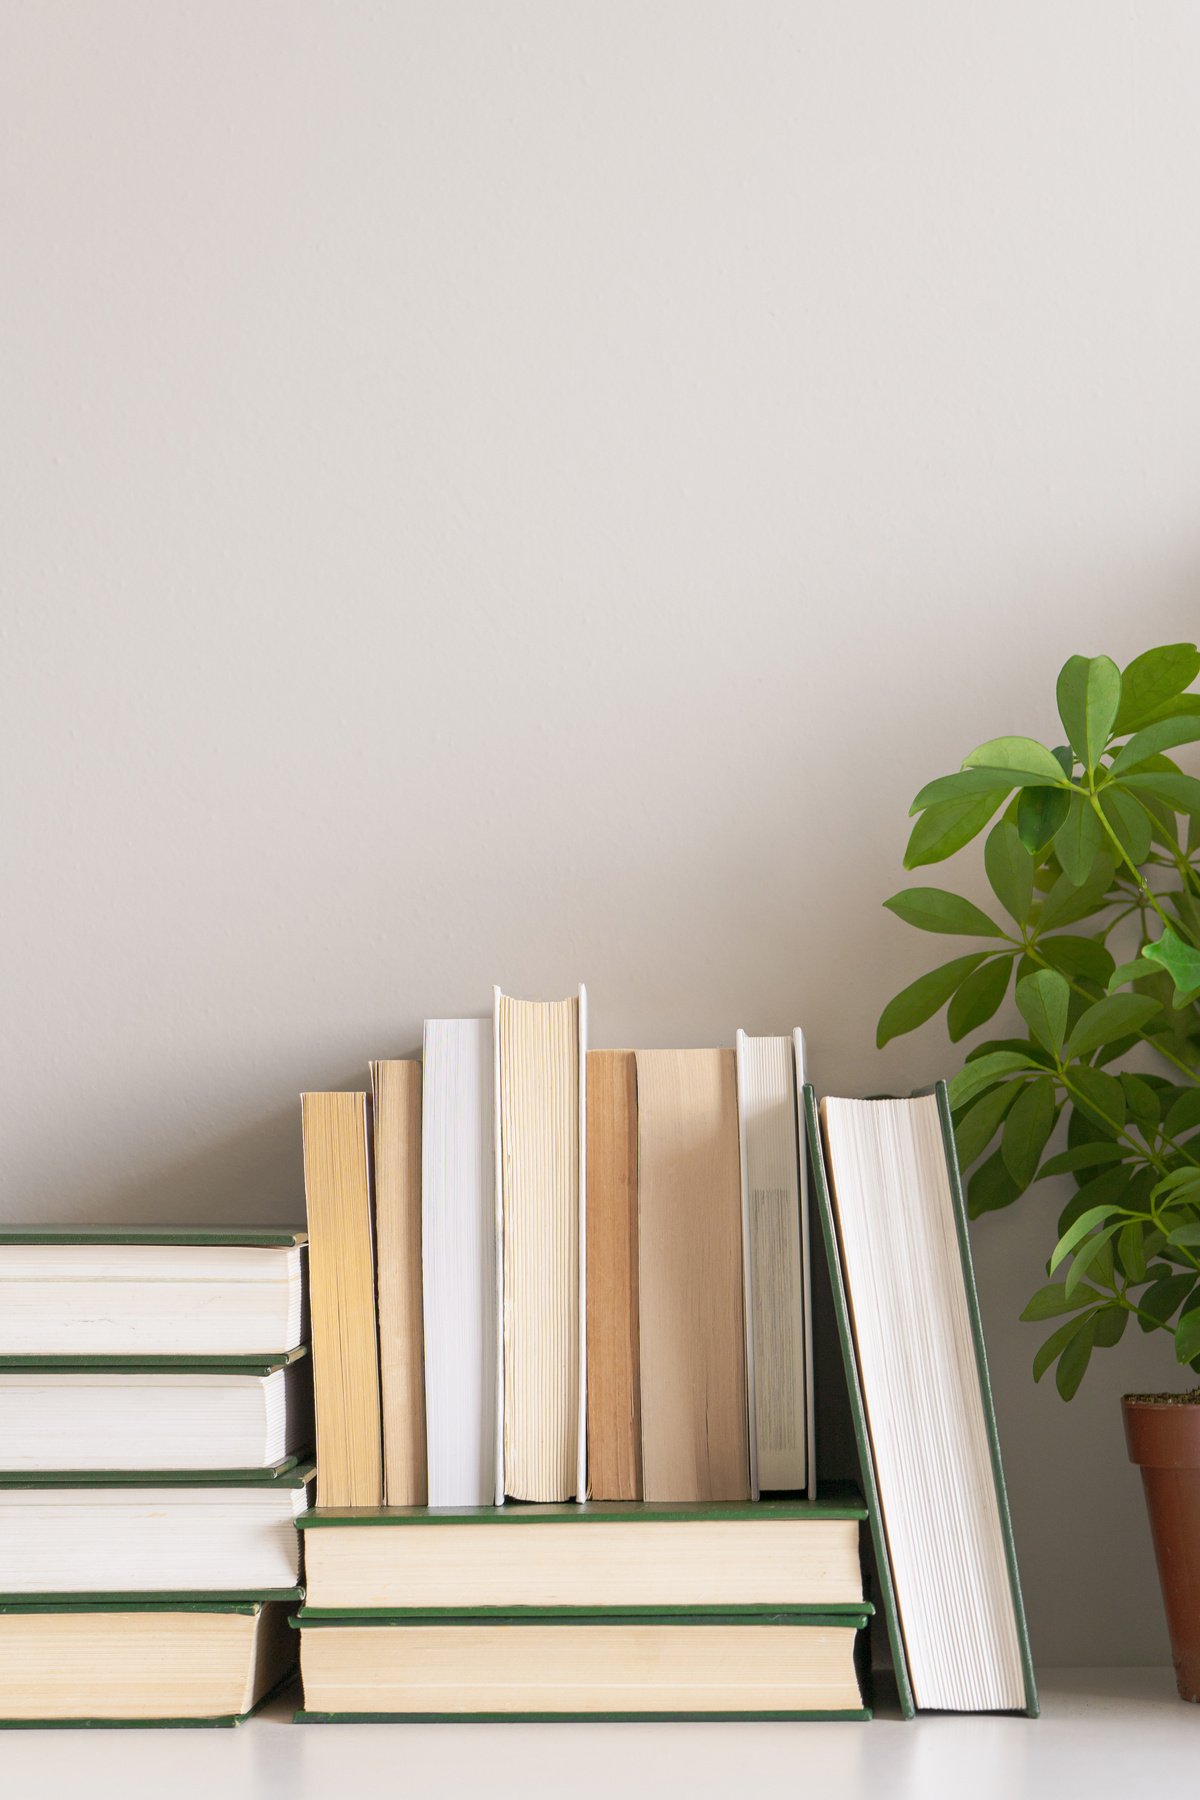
(781, 1667)
(79, 1416)
(908, 1314)
(142, 1292)
(128, 1533)
(774, 1556)
(135, 1663)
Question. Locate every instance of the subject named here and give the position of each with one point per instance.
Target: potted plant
(1093, 854)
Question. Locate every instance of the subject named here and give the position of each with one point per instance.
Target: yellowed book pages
(341, 1263)
(538, 1044)
(141, 1665)
(613, 1392)
(695, 1444)
(397, 1087)
(603, 1667)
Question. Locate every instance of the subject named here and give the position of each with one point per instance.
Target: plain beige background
(527, 492)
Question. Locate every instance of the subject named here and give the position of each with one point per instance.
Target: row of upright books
(543, 1275)
(155, 1453)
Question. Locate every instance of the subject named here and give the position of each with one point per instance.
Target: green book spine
(1032, 1706)
(292, 1472)
(851, 1614)
(200, 1236)
(157, 1600)
(839, 1500)
(265, 1364)
(858, 1413)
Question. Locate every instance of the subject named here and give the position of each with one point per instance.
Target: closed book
(109, 1413)
(337, 1187)
(771, 1667)
(459, 1260)
(908, 1317)
(540, 1188)
(197, 1662)
(692, 1349)
(628, 1557)
(147, 1291)
(153, 1533)
(614, 1413)
(397, 1117)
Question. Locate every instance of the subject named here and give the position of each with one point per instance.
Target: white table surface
(1102, 1732)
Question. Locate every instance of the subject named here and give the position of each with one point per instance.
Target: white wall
(528, 491)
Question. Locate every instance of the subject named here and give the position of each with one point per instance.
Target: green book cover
(839, 1500)
(293, 1471)
(247, 1237)
(248, 1604)
(152, 1365)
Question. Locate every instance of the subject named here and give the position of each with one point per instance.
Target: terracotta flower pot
(1163, 1434)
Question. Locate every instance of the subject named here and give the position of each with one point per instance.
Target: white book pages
(773, 1267)
(459, 1261)
(924, 1402)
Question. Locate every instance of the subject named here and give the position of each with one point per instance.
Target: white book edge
(581, 1490)
(798, 1074)
(747, 1274)
(499, 1169)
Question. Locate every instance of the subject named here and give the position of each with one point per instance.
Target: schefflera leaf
(933, 909)
(1009, 868)
(1089, 698)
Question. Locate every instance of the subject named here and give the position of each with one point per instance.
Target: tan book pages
(397, 1088)
(538, 1044)
(341, 1262)
(613, 1399)
(695, 1444)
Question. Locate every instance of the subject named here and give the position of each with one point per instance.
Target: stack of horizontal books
(155, 1433)
(564, 1390)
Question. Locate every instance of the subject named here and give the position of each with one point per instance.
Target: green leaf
(1069, 900)
(1180, 960)
(1184, 1236)
(1053, 1299)
(1116, 1016)
(983, 1072)
(1108, 1325)
(1182, 792)
(945, 828)
(991, 1187)
(1127, 972)
(977, 1127)
(1009, 868)
(966, 784)
(1027, 1130)
(1187, 1337)
(1178, 1184)
(1079, 957)
(1018, 756)
(1083, 1156)
(1055, 1344)
(1040, 812)
(922, 998)
(1089, 1254)
(1183, 1114)
(1161, 1298)
(1044, 1000)
(1089, 696)
(1101, 1096)
(933, 909)
(1143, 1102)
(1075, 1234)
(1129, 821)
(1072, 1364)
(1131, 1248)
(1151, 680)
(979, 997)
(1079, 840)
(1166, 735)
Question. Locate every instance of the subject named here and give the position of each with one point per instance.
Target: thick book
(337, 1187)
(908, 1316)
(397, 1116)
(693, 1365)
(775, 1266)
(459, 1261)
(142, 1291)
(540, 1191)
(630, 1557)
(197, 1662)
(113, 1535)
(780, 1666)
(614, 1411)
(104, 1413)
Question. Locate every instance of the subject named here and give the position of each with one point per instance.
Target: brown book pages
(398, 1256)
(613, 1401)
(539, 1143)
(341, 1279)
(695, 1444)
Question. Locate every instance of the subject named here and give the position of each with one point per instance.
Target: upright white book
(459, 1261)
(775, 1264)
